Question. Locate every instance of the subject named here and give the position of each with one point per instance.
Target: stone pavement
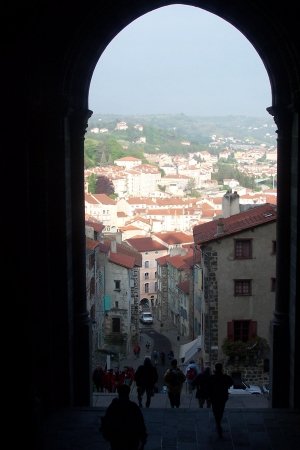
(181, 429)
(248, 423)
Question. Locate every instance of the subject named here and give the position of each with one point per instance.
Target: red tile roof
(99, 198)
(122, 260)
(175, 237)
(178, 262)
(145, 244)
(90, 244)
(163, 260)
(253, 217)
(96, 225)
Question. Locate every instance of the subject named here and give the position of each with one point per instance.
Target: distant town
(170, 233)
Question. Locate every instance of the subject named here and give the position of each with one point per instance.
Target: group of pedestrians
(146, 377)
(107, 380)
(211, 389)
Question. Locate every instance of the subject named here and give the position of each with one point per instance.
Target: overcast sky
(180, 59)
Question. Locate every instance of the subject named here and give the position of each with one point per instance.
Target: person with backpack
(174, 379)
(192, 371)
(123, 424)
(146, 376)
(218, 386)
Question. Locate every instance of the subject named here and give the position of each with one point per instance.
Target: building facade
(238, 258)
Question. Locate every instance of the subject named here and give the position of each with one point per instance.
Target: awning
(187, 351)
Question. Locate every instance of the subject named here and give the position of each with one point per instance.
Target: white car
(146, 317)
(245, 388)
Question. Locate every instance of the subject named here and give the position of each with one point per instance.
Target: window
(147, 264)
(117, 285)
(117, 305)
(241, 330)
(243, 248)
(155, 275)
(273, 284)
(146, 287)
(116, 325)
(146, 275)
(274, 247)
(155, 286)
(242, 287)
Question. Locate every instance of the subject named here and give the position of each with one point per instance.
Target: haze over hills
(121, 135)
(198, 130)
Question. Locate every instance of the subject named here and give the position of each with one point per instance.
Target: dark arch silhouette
(49, 55)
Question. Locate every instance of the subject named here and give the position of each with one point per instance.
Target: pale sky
(180, 59)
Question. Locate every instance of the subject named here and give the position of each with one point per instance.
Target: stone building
(238, 257)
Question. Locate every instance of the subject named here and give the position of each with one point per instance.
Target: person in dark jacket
(201, 383)
(123, 424)
(146, 377)
(98, 378)
(174, 379)
(218, 386)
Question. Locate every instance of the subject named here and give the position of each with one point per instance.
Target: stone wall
(253, 374)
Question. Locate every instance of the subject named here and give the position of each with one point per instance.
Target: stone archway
(48, 66)
(259, 28)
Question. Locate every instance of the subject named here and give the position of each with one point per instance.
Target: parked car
(245, 388)
(146, 317)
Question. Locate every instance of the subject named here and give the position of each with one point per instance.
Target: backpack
(173, 377)
(191, 374)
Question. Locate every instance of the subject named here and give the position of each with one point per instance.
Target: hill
(165, 133)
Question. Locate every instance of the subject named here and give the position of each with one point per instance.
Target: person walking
(218, 385)
(170, 355)
(174, 379)
(145, 377)
(137, 350)
(155, 356)
(98, 378)
(123, 424)
(192, 371)
(201, 384)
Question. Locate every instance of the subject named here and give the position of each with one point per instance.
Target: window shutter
(230, 331)
(252, 329)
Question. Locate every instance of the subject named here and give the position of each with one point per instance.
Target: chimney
(119, 237)
(230, 203)
(220, 227)
(113, 246)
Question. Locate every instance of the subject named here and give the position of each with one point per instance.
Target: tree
(104, 186)
(191, 184)
(92, 183)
